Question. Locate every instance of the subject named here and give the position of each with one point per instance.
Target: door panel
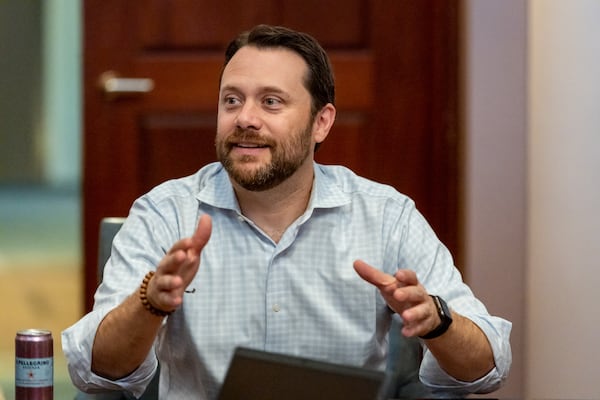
(174, 145)
(395, 68)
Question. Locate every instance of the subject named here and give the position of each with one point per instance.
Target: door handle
(113, 86)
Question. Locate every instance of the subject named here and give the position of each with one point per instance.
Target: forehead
(276, 66)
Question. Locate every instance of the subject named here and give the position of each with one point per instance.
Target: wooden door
(395, 67)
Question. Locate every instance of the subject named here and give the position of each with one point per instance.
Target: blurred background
(529, 97)
(40, 114)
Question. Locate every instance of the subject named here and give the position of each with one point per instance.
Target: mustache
(248, 135)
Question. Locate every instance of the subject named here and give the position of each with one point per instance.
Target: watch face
(438, 304)
(444, 308)
(445, 318)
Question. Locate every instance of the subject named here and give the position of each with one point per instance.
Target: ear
(323, 122)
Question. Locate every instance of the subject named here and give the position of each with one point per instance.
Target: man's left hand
(405, 295)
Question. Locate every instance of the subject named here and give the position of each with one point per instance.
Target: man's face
(264, 126)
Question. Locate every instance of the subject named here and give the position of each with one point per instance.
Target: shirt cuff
(77, 343)
(497, 330)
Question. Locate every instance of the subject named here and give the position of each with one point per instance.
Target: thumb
(202, 233)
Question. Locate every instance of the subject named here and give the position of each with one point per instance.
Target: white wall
(532, 119)
(495, 101)
(564, 200)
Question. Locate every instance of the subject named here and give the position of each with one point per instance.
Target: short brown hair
(319, 81)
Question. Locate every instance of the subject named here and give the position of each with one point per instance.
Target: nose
(248, 116)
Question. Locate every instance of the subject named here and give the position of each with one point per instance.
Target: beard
(286, 157)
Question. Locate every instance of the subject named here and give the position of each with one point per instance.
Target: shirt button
(240, 218)
(276, 308)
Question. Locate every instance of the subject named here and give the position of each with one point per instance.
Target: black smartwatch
(445, 317)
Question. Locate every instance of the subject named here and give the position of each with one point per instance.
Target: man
(268, 249)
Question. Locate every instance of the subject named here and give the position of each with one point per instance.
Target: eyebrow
(265, 89)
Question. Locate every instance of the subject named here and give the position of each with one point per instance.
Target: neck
(274, 210)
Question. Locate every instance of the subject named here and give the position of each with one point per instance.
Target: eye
(231, 101)
(272, 102)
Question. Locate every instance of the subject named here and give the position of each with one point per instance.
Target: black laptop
(259, 375)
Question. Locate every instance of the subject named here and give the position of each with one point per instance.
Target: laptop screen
(259, 375)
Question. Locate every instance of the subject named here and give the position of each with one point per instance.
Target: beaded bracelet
(144, 297)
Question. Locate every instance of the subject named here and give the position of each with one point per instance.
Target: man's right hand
(178, 268)
(126, 334)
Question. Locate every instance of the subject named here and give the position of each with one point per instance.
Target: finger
(418, 313)
(202, 233)
(167, 300)
(198, 239)
(165, 291)
(419, 320)
(187, 250)
(171, 262)
(182, 244)
(373, 275)
(189, 267)
(168, 283)
(407, 277)
(413, 294)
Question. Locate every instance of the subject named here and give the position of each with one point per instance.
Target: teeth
(249, 146)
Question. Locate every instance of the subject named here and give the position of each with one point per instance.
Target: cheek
(292, 127)
(224, 123)
(224, 115)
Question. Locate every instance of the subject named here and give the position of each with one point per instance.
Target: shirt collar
(217, 191)
(327, 192)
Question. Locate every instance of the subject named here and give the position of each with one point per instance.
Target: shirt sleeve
(497, 331)
(421, 251)
(77, 342)
(136, 241)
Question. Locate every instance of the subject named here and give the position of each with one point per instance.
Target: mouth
(246, 145)
(247, 149)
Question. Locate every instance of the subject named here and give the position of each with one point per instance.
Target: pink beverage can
(34, 365)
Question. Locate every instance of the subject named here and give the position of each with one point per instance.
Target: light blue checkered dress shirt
(299, 296)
